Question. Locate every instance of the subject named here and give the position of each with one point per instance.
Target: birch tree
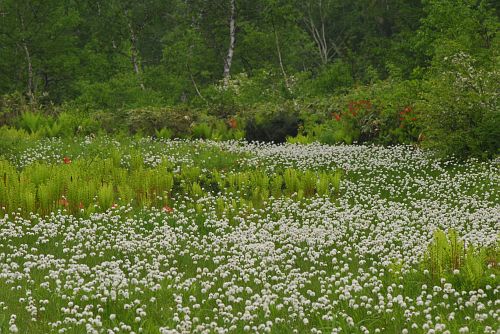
(232, 40)
(315, 20)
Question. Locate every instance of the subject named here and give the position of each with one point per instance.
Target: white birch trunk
(31, 93)
(282, 67)
(134, 54)
(31, 89)
(232, 39)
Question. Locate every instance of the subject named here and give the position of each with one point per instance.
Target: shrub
(11, 107)
(82, 123)
(112, 122)
(300, 139)
(220, 102)
(72, 123)
(272, 123)
(151, 119)
(263, 86)
(335, 77)
(382, 112)
(121, 91)
(460, 110)
(13, 139)
(226, 130)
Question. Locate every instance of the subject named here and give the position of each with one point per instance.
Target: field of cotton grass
(99, 235)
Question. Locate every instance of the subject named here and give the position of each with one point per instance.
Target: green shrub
(460, 109)
(300, 139)
(119, 92)
(382, 112)
(227, 130)
(12, 106)
(242, 91)
(76, 122)
(220, 102)
(105, 196)
(333, 78)
(149, 120)
(112, 122)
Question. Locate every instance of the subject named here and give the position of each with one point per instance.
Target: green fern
(335, 180)
(308, 181)
(291, 181)
(105, 196)
(196, 190)
(474, 266)
(276, 185)
(447, 257)
(323, 184)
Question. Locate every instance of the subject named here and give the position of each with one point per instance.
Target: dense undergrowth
(421, 73)
(45, 188)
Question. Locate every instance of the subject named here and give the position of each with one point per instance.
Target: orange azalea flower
(64, 202)
(406, 110)
(352, 106)
(233, 124)
(167, 209)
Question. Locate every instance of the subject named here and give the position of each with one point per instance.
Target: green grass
(220, 231)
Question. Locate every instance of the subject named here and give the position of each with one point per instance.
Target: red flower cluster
(167, 209)
(66, 160)
(64, 202)
(406, 111)
(356, 106)
(233, 124)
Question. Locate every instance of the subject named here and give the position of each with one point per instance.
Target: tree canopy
(170, 51)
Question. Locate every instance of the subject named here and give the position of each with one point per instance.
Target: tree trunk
(319, 35)
(278, 49)
(134, 54)
(31, 93)
(232, 40)
(31, 88)
(194, 84)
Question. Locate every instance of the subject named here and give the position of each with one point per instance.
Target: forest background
(365, 71)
